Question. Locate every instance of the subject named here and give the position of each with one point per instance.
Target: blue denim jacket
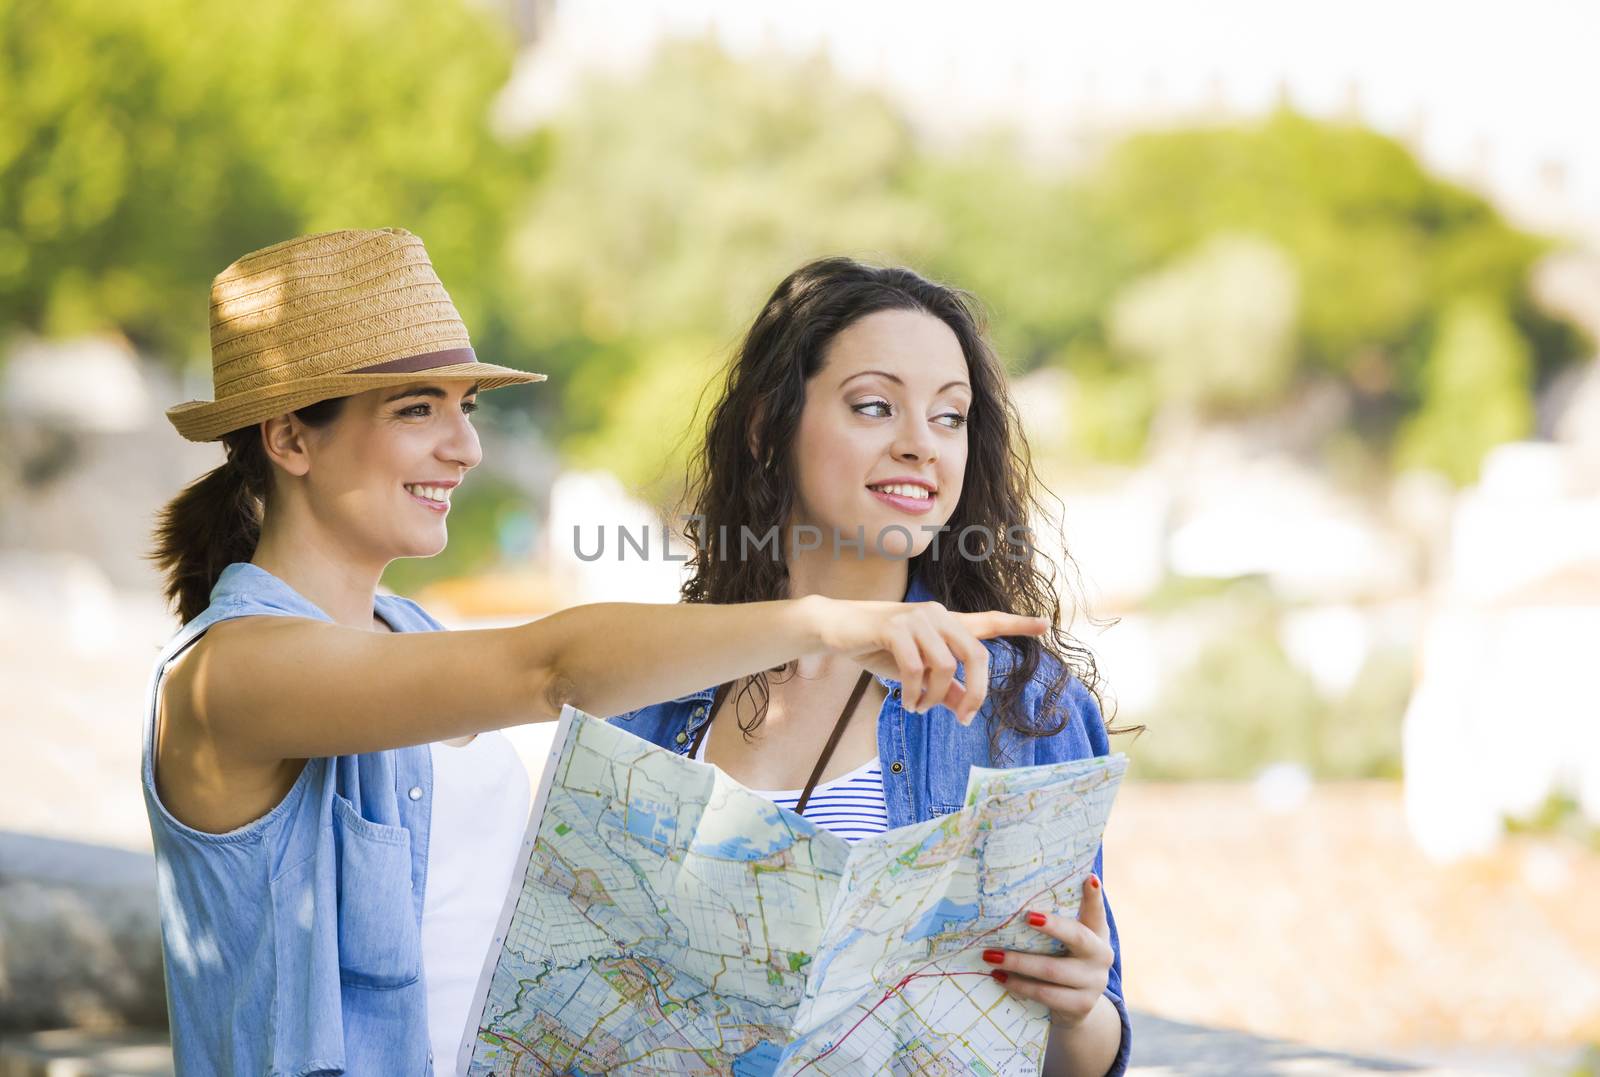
(926, 757)
(292, 944)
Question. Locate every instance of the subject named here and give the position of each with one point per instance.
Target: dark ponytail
(216, 520)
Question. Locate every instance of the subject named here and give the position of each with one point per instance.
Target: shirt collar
(918, 590)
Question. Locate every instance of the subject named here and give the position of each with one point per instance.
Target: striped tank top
(851, 806)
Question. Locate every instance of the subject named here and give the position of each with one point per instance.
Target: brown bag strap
(827, 749)
(833, 741)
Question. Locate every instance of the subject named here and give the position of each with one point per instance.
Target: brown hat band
(425, 361)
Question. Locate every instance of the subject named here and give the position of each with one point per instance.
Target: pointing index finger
(994, 623)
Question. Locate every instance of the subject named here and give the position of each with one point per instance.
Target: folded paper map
(666, 920)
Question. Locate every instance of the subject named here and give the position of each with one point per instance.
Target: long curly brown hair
(742, 476)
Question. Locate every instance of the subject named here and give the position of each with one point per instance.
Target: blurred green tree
(144, 146)
(1218, 327)
(672, 205)
(623, 248)
(1382, 251)
(1379, 243)
(1242, 703)
(1474, 390)
(1021, 238)
(1216, 269)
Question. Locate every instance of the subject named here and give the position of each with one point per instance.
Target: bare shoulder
(190, 688)
(197, 779)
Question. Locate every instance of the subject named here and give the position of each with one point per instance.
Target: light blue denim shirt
(926, 757)
(292, 944)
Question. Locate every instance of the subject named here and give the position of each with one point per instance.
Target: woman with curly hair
(864, 446)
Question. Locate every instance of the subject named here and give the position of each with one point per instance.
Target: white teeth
(905, 490)
(440, 494)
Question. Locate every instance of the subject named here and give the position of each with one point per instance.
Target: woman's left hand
(1072, 983)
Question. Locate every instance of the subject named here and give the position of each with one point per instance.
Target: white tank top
(481, 799)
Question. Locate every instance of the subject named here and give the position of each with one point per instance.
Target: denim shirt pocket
(380, 944)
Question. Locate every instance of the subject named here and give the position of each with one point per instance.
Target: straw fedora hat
(329, 315)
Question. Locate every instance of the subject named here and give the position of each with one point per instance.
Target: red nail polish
(1037, 919)
(994, 957)
(1094, 882)
(1000, 975)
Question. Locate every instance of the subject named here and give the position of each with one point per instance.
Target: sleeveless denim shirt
(292, 945)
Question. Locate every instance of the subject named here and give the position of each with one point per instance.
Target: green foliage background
(1215, 271)
(145, 146)
(624, 246)
(1241, 702)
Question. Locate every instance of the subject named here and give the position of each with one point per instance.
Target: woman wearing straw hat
(334, 820)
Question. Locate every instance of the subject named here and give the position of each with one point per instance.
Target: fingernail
(1000, 975)
(1094, 882)
(994, 957)
(1037, 919)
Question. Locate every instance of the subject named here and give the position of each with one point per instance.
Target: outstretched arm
(264, 689)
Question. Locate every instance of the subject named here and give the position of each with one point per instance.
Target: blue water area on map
(760, 1061)
(937, 920)
(820, 968)
(740, 847)
(646, 825)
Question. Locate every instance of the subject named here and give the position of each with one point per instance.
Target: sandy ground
(1325, 924)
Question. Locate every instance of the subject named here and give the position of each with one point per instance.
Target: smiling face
(882, 439)
(381, 475)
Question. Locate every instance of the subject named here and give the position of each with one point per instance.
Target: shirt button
(700, 712)
(415, 793)
(897, 766)
(896, 693)
(681, 738)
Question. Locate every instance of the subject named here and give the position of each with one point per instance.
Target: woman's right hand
(919, 644)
